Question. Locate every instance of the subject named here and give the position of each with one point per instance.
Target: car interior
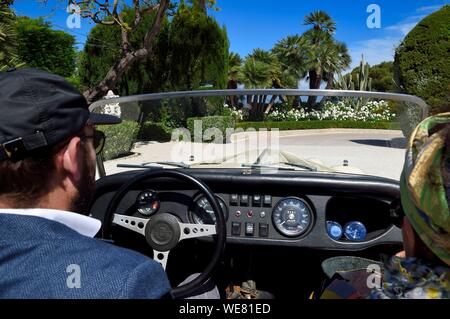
(273, 227)
(284, 260)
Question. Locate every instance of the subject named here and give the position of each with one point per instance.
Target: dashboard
(313, 210)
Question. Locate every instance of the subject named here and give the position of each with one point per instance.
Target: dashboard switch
(244, 200)
(263, 230)
(234, 199)
(256, 200)
(236, 229)
(249, 229)
(267, 200)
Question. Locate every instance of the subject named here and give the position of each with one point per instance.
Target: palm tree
(340, 61)
(292, 52)
(8, 45)
(321, 21)
(256, 73)
(234, 63)
(326, 56)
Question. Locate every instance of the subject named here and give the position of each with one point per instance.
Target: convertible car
(233, 198)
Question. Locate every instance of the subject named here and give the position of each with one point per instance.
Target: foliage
(409, 117)
(155, 132)
(422, 65)
(382, 76)
(42, 47)
(120, 138)
(175, 64)
(326, 56)
(199, 50)
(211, 123)
(255, 74)
(292, 53)
(102, 49)
(234, 63)
(117, 14)
(321, 21)
(307, 125)
(340, 111)
(8, 39)
(237, 114)
(359, 79)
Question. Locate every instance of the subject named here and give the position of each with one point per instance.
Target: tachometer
(147, 203)
(292, 217)
(202, 212)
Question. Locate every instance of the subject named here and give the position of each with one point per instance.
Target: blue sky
(261, 23)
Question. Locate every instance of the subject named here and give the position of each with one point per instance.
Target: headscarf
(425, 184)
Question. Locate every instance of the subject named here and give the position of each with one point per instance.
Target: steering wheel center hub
(163, 232)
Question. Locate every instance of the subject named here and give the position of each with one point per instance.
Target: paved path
(375, 152)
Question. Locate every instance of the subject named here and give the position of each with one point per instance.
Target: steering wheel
(164, 231)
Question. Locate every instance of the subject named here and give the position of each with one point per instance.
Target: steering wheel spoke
(189, 231)
(161, 257)
(163, 231)
(135, 224)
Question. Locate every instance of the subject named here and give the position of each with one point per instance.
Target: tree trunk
(232, 85)
(129, 58)
(330, 81)
(314, 83)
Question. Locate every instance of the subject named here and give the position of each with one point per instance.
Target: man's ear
(71, 158)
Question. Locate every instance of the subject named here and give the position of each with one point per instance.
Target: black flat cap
(39, 109)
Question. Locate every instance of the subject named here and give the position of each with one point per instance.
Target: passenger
(422, 270)
(425, 196)
(48, 146)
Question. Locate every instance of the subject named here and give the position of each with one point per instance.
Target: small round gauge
(202, 212)
(147, 203)
(292, 217)
(334, 230)
(355, 231)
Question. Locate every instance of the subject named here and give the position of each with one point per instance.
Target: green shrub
(155, 132)
(119, 138)
(422, 65)
(306, 125)
(222, 123)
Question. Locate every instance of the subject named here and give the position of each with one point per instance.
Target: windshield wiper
(154, 165)
(277, 166)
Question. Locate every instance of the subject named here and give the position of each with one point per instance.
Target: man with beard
(48, 145)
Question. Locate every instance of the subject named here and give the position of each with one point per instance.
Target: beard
(85, 188)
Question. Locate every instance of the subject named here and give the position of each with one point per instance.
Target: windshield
(345, 132)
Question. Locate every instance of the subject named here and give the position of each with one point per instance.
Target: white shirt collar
(86, 226)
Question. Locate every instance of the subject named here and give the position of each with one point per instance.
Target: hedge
(155, 132)
(211, 122)
(421, 65)
(305, 125)
(119, 138)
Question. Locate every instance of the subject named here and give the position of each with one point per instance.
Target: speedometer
(202, 212)
(292, 217)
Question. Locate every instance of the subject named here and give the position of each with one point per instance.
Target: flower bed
(340, 111)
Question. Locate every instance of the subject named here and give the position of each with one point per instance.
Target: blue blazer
(40, 258)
